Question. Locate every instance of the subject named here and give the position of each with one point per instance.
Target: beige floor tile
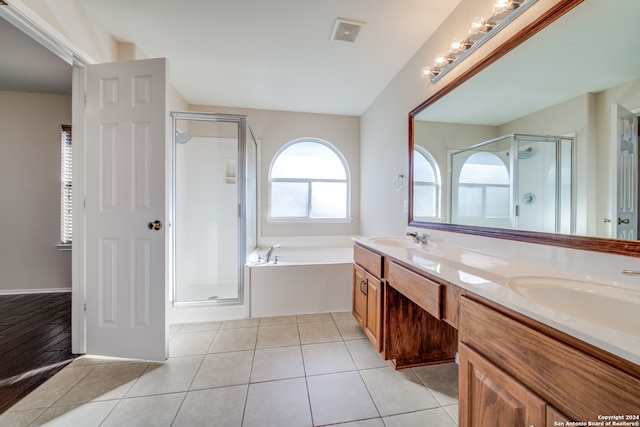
(431, 417)
(278, 336)
(277, 363)
(173, 329)
(241, 323)
(350, 330)
(339, 398)
(365, 355)
(453, 412)
(371, 422)
(172, 376)
(200, 327)
(442, 381)
(190, 344)
(342, 315)
(314, 317)
(86, 361)
(105, 382)
(45, 395)
(156, 411)
(234, 340)
(326, 358)
(19, 418)
(317, 332)
(281, 403)
(224, 369)
(395, 392)
(278, 320)
(85, 415)
(219, 407)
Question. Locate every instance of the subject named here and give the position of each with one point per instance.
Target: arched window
(309, 179)
(426, 185)
(483, 187)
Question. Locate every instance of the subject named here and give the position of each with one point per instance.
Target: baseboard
(34, 291)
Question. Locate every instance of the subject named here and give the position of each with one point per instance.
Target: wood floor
(35, 342)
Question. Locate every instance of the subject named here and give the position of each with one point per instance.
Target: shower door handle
(155, 225)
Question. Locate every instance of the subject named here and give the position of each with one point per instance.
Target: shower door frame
(244, 131)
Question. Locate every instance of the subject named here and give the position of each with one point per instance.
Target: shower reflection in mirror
(515, 181)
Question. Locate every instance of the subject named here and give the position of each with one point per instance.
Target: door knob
(623, 221)
(155, 225)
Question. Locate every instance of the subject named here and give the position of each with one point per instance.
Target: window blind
(66, 188)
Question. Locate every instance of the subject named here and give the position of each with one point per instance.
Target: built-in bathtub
(311, 279)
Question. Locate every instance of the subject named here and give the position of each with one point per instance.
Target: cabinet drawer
(369, 260)
(424, 292)
(575, 383)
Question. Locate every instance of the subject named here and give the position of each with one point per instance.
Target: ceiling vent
(345, 30)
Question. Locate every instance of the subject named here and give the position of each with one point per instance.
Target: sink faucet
(267, 255)
(419, 238)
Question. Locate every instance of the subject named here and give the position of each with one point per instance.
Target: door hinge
(85, 307)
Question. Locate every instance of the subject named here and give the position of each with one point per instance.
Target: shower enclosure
(215, 207)
(516, 181)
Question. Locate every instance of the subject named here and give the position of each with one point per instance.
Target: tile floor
(305, 370)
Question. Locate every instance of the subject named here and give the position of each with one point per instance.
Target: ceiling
(274, 54)
(26, 66)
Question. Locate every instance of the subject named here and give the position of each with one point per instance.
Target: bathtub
(303, 280)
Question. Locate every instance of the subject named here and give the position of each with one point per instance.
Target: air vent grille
(345, 30)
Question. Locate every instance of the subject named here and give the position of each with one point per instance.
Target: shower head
(525, 154)
(182, 138)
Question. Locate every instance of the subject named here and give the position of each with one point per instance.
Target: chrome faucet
(419, 238)
(267, 255)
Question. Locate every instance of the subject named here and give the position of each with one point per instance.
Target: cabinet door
(359, 300)
(373, 318)
(491, 398)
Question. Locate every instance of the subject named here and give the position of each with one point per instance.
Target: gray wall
(30, 192)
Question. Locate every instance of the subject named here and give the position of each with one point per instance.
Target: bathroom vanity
(523, 361)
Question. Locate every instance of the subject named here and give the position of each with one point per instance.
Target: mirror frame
(595, 244)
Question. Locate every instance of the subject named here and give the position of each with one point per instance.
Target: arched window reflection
(483, 187)
(426, 185)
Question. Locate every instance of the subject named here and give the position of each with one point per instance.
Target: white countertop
(604, 314)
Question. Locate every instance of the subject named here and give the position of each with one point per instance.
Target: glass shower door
(212, 167)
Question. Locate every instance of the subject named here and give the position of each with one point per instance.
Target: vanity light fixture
(481, 30)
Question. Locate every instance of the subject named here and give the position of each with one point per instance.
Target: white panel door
(626, 166)
(125, 209)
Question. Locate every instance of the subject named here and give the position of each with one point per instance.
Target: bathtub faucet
(267, 255)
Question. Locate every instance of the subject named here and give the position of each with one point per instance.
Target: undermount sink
(613, 307)
(396, 242)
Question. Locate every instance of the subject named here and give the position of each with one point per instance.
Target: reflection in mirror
(426, 185)
(566, 79)
(515, 181)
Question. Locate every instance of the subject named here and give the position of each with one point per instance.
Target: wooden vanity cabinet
(492, 397)
(415, 333)
(530, 374)
(368, 293)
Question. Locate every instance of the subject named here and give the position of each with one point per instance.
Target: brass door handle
(155, 225)
(623, 221)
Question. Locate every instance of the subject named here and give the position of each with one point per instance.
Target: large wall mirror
(538, 144)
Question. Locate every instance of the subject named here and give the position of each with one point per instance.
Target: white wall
(30, 192)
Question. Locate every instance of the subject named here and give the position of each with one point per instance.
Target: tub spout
(267, 255)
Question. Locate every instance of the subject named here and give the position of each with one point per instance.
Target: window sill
(64, 247)
(309, 220)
